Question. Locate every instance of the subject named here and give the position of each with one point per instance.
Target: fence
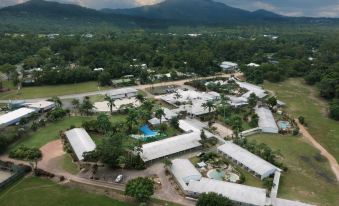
(17, 171)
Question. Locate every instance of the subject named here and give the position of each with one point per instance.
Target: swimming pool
(216, 174)
(283, 124)
(147, 131)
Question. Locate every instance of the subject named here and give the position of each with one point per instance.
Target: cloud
(263, 5)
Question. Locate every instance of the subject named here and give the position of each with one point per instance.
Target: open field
(50, 91)
(52, 130)
(68, 164)
(309, 177)
(41, 192)
(303, 100)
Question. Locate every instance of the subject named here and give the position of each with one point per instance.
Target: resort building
(80, 142)
(266, 122)
(253, 65)
(248, 160)
(15, 116)
(229, 66)
(184, 172)
(123, 93)
(245, 195)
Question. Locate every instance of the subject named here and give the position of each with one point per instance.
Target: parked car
(118, 179)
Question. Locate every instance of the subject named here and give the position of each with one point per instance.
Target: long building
(248, 160)
(184, 172)
(80, 142)
(266, 122)
(245, 195)
(123, 93)
(15, 116)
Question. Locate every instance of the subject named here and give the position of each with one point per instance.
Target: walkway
(333, 162)
(140, 87)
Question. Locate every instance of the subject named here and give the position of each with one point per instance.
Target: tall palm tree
(209, 105)
(76, 104)
(140, 97)
(159, 113)
(224, 103)
(57, 101)
(132, 118)
(111, 103)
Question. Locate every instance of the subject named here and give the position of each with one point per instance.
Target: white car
(118, 179)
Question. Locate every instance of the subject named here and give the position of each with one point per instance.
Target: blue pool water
(283, 124)
(147, 131)
(216, 175)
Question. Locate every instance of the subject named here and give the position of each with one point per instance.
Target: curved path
(333, 162)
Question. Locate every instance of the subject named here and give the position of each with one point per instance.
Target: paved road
(333, 162)
(139, 87)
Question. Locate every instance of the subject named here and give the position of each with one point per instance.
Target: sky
(315, 8)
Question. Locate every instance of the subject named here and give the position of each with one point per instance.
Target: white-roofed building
(236, 192)
(229, 66)
(184, 172)
(123, 93)
(15, 116)
(41, 106)
(80, 142)
(169, 114)
(170, 146)
(237, 101)
(266, 122)
(258, 91)
(249, 161)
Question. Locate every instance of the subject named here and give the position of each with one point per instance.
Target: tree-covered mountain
(197, 11)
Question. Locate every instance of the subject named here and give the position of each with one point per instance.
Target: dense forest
(73, 58)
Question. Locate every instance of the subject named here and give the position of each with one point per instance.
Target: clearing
(309, 177)
(41, 192)
(303, 100)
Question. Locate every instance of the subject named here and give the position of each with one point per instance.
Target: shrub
(25, 153)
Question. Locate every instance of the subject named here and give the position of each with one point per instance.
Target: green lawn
(68, 164)
(34, 191)
(52, 131)
(49, 91)
(304, 100)
(309, 177)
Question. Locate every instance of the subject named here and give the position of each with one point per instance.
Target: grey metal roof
(80, 141)
(266, 120)
(184, 171)
(247, 158)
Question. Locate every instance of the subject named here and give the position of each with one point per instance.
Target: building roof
(122, 91)
(14, 115)
(80, 141)
(228, 65)
(169, 114)
(266, 120)
(235, 192)
(237, 101)
(258, 91)
(41, 105)
(184, 171)
(169, 146)
(253, 65)
(248, 159)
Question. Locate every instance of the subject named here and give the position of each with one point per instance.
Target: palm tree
(122, 161)
(110, 103)
(159, 113)
(86, 106)
(132, 118)
(224, 103)
(76, 104)
(140, 97)
(57, 101)
(167, 163)
(209, 105)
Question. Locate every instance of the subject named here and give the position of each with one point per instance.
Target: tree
(104, 79)
(213, 199)
(141, 188)
(132, 118)
(224, 103)
(252, 100)
(159, 113)
(86, 106)
(110, 149)
(122, 161)
(110, 103)
(334, 109)
(167, 163)
(301, 119)
(57, 101)
(76, 104)
(203, 135)
(272, 101)
(174, 122)
(103, 123)
(140, 97)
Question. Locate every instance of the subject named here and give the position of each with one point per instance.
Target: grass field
(68, 164)
(304, 100)
(40, 192)
(52, 130)
(49, 91)
(309, 178)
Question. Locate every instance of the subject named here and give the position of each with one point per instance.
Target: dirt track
(333, 162)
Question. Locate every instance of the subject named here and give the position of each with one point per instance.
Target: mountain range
(47, 14)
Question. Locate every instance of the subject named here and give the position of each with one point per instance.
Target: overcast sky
(316, 8)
